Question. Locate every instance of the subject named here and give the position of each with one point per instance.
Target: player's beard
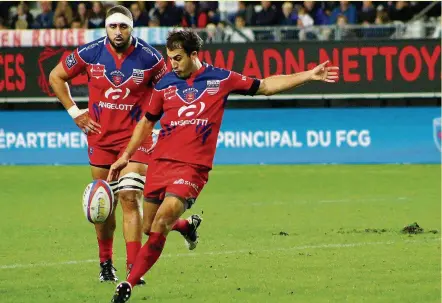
(121, 46)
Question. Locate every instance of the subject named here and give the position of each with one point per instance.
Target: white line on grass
(375, 199)
(366, 200)
(228, 252)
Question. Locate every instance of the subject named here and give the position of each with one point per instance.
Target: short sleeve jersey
(191, 112)
(119, 88)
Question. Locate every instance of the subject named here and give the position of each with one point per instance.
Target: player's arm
(58, 79)
(276, 84)
(143, 129)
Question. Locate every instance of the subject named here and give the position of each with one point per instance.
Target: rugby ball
(98, 201)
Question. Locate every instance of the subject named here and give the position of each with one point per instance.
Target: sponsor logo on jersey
(138, 76)
(170, 92)
(213, 86)
(190, 94)
(91, 46)
(190, 110)
(437, 132)
(115, 106)
(148, 50)
(117, 77)
(115, 94)
(160, 74)
(97, 70)
(71, 61)
(197, 122)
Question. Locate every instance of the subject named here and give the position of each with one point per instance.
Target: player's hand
(86, 124)
(323, 73)
(115, 168)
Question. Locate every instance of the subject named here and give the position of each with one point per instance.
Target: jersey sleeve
(73, 64)
(154, 109)
(242, 85)
(159, 71)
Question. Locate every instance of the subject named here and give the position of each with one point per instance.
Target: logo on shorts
(188, 183)
(91, 150)
(71, 61)
(97, 70)
(213, 86)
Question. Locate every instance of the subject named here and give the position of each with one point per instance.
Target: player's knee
(162, 223)
(130, 199)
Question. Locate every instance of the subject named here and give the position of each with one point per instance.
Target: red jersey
(119, 88)
(192, 111)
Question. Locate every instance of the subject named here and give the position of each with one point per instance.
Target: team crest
(190, 94)
(117, 77)
(437, 132)
(213, 86)
(138, 76)
(71, 61)
(97, 70)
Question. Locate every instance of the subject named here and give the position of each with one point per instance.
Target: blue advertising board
(261, 136)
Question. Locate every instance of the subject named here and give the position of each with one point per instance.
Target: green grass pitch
(307, 233)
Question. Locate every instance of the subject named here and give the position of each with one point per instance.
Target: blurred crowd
(213, 16)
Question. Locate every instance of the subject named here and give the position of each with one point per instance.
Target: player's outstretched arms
(276, 84)
(58, 80)
(142, 130)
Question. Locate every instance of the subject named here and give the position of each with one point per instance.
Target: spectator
(23, 19)
(77, 23)
(46, 18)
(343, 32)
(268, 15)
(214, 35)
(346, 9)
(382, 18)
(64, 9)
(98, 15)
(154, 22)
(2, 24)
(305, 21)
(166, 13)
(318, 14)
(400, 11)
(211, 9)
(140, 18)
(82, 15)
(288, 16)
(241, 31)
(377, 32)
(60, 22)
(224, 34)
(193, 17)
(367, 15)
(247, 11)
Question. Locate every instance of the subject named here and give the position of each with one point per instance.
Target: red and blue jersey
(191, 112)
(119, 88)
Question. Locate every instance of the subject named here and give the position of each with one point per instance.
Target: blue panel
(271, 136)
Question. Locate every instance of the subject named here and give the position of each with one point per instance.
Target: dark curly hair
(186, 39)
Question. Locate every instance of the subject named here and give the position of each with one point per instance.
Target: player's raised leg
(105, 236)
